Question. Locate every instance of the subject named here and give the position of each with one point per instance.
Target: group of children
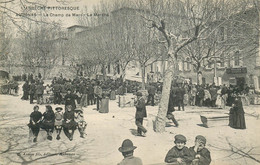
(196, 155)
(179, 154)
(69, 121)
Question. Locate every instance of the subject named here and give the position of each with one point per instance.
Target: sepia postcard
(129, 82)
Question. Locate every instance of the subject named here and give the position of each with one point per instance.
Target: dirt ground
(105, 133)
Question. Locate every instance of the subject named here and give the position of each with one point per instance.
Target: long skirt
(70, 126)
(239, 122)
(46, 124)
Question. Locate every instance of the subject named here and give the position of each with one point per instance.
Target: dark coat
(200, 93)
(205, 157)
(56, 88)
(180, 93)
(39, 89)
(151, 90)
(35, 117)
(32, 88)
(213, 93)
(70, 100)
(175, 153)
(140, 109)
(171, 103)
(69, 115)
(237, 115)
(48, 120)
(26, 87)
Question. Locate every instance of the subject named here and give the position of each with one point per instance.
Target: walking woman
(237, 115)
(48, 121)
(35, 120)
(69, 125)
(58, 121)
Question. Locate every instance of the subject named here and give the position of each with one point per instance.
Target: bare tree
(179, 24)
(37, 45)
(246, 154)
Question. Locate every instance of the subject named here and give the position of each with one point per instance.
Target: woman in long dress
(48, 121)
(237, 115)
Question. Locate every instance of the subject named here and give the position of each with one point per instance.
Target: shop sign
(236, 70)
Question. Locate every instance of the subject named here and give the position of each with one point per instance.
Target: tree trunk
(104, 72)
(123, 75)
(163, 106)
(143, 77)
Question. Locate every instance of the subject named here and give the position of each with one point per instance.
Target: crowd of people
(206, 95)
(84, 91)
(81, 92)
(90, 91)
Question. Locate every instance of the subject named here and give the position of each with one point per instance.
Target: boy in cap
(179, 153)
(200, 154)
(127, 150)
(140, 114)
(58, 121)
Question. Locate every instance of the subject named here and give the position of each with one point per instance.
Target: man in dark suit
(140, 114)
(32, 92)
(151, 92)
(26, 89)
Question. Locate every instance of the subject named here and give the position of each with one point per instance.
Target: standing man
(151, 92)
(70, 100)
(213, 93)
(39, 92)
(171, 109)
(98, 94)
(140, 114)
(32, 91)
(56, 90)
(200, 96)
(26, 89)
(180, 97)
(90, 93)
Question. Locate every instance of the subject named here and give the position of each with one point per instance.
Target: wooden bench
(213, 120)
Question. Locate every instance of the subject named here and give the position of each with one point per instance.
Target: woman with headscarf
(69, 125)
(35, 120)
(48, 121)
(237, 115)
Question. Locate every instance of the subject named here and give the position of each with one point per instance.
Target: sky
(64, 16)
(72, 20)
